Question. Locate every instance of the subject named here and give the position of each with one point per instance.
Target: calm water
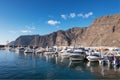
(31, 66)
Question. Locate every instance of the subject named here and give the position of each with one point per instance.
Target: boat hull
(93, 58)
(77, 57)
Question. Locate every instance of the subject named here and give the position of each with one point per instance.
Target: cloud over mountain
(53, 22)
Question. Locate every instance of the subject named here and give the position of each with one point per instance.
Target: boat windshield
(21, 49)
(79, 52)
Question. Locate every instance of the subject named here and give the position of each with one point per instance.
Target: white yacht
(39, 50)
(19, 50)
(94, 56)
(65, 53)
(78, 54)
(29, 50)
(49, 51)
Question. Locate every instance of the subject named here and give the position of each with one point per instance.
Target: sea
(40, 66)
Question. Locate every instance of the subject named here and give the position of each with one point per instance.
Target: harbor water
(38, 66)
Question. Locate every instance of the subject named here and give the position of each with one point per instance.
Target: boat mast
(35, 42)
(7, 44)
(101, 55)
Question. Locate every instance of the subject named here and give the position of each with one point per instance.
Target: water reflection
(93, 67)
(48, 58)
(51, 67)
(77, 65)
(57, 60)
(99, 70)
(103, 71)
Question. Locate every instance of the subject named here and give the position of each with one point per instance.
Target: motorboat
(39, 50)
(29, 50)
(65, 53)
(19, 50)
(94, 56)
(77, 54)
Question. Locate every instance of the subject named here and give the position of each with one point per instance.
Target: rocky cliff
(103, 31)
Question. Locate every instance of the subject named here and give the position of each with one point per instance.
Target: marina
(60, 39)
(52, 66)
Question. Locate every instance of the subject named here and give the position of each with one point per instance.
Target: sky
(30, 17)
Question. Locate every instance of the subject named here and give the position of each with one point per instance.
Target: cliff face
(59, 38)
(104, 31)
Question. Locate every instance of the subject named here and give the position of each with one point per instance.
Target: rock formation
(104, 31)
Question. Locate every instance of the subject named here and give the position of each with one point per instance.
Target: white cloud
(72, 15)
(53, 22)
(80, 15)
(75, 15)
(26, 31)
(64, 16)
(87, 15)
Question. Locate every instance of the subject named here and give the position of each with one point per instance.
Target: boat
(65, 53)
(77, 54)
(49, 51)
(39, 50)
(29, 50)
(110, 56)
(94, 56)
(19, 50)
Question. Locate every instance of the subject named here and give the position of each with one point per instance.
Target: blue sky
(28, 17)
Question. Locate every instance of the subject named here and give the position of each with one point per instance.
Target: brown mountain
(103, 31)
